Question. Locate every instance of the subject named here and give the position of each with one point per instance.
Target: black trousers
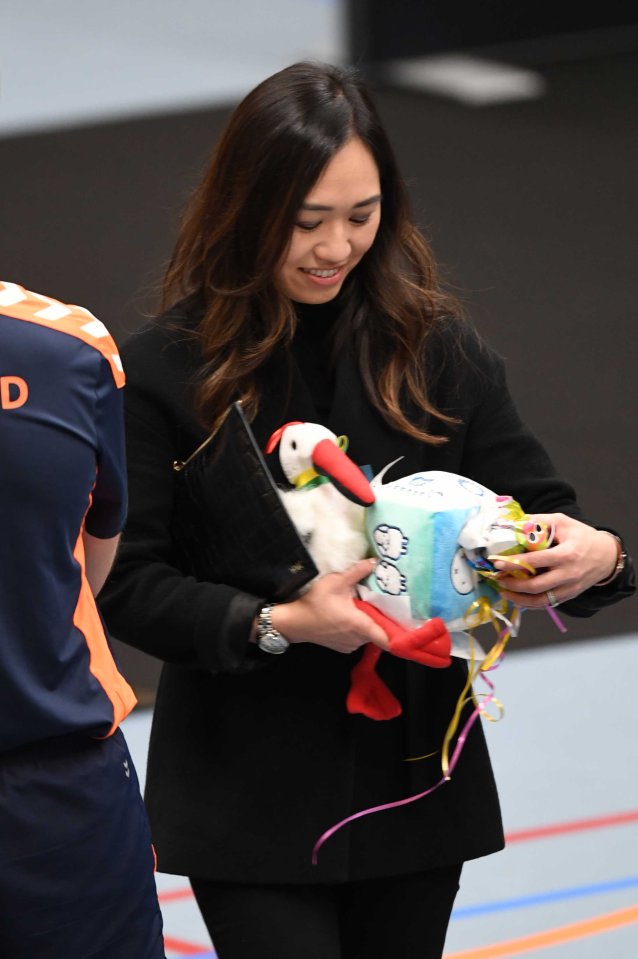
(401, 917)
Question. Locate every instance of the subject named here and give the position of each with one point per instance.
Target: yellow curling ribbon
(480, 611)
(417, 759)
(456, 717)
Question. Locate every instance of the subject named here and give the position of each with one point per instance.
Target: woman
(300, 285)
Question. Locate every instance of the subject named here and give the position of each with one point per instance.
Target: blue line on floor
(523, 902)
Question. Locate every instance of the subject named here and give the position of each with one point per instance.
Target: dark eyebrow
(319, 207)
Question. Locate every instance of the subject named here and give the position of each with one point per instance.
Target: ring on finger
(551, 598)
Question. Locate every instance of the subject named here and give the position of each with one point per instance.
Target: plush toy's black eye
(294, 444)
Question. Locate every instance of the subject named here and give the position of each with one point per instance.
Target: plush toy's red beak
(332, 462)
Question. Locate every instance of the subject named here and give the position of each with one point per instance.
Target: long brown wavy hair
(236, 229)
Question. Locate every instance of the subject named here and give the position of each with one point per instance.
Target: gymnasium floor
(566, 760)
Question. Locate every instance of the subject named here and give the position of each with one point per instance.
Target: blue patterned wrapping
(414, 527)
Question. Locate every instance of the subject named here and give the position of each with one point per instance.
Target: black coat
(253, 756)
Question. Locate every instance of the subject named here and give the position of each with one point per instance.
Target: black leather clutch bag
(231, 526)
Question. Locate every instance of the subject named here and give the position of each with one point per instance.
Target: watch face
(273, 643)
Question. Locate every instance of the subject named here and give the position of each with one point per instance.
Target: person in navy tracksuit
(76, 861)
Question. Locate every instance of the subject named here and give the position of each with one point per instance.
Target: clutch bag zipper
(179, 465)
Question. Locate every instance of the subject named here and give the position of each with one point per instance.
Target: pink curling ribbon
(410, 799)
(490, 662)
(553, 615)
(480, 611)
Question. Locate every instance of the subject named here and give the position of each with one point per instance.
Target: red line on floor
(170, 895)
(186, 948)
(577, 825)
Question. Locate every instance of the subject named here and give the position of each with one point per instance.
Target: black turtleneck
(312, 350)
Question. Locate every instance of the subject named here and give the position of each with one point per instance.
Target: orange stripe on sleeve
(101, 663)
(75, 321)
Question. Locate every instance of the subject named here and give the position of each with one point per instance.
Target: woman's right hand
(326, 615)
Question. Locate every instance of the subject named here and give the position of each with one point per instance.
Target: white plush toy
(329, 495)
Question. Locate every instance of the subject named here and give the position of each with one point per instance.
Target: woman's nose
(333, 247)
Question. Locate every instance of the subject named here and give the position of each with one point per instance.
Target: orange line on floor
(551, 937)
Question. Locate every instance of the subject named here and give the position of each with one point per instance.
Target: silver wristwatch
(268, 638)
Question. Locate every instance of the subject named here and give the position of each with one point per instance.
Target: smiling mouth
(321, 273)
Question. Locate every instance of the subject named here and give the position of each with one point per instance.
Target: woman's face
(335, 227)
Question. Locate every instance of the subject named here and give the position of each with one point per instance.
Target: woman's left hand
(579, 557)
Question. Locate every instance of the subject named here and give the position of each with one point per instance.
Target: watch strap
(269, 639)
(621, 559)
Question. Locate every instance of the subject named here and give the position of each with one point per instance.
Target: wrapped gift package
(434, 533)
